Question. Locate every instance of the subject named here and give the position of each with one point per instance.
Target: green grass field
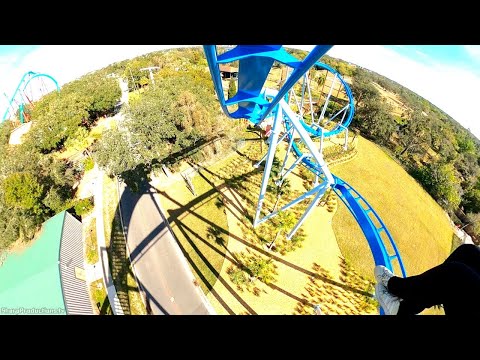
(417, 223)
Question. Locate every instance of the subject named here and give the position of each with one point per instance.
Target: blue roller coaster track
(258, 104)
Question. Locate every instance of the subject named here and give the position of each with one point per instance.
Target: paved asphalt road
(160, 266)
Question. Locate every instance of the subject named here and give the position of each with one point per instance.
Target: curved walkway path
(161, 269)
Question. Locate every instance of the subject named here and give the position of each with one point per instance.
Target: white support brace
(269, 161)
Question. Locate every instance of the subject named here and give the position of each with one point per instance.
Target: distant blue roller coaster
(299, 129)
(30, 88)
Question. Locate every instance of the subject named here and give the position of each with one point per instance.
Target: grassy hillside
(417, 223)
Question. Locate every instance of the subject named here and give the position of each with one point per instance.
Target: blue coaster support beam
(256, 103)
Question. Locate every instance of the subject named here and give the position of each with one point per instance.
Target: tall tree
(441, 181)
(374, 118)
(415, 134)
(114, 153)
(467, 166)
(23, 191)
(174, 118)
(471, 200)
(474, 220)
(5, 130)
(465, 143)
(363, 88)
(57, 122)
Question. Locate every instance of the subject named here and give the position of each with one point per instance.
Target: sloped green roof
(30, 282)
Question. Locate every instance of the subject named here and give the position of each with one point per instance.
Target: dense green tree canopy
(58, 121)
(176, 116)
(471, 200)
(34, 184)
(474, 220)
(24, 191)
(441, 181)
(114, 152)
(5, 130)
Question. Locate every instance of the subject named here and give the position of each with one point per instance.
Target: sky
(446, 75)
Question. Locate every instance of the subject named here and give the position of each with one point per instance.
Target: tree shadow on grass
(174, 215)
(189, 235)
(137, 180)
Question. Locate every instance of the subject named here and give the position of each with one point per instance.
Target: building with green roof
(47, 277)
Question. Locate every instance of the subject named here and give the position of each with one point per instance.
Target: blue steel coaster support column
(20, 113)
(304, 84)
(15, 93)
(268, 165)
(289, 148)
(293, 166)
(310, 99)
(322, 115)
(293, 119)
(292, 124)
(317, 52)
(321, 190)
(265, 156)
(302, 197)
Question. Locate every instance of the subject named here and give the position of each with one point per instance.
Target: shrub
(78, 140)
(83, 206)
(237, 276)
(286, 246)
(261, 268)
(22, 190)
(88, 163)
